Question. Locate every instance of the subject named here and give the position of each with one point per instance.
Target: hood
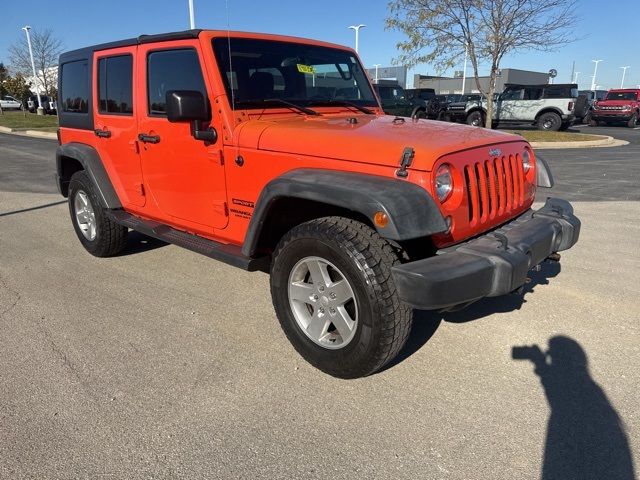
(373, 139)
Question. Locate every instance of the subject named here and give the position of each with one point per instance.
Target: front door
(115, 123)
(184, 176)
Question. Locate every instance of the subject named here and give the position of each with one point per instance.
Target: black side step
(230, 254)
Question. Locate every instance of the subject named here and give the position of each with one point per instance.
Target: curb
(29, 133)
(605, 141)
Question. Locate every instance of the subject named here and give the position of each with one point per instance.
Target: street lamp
(192, 18)
(575, 77)
(377, 65)
(26, 29)
(593, 81)
(357, 28)
(624, 72)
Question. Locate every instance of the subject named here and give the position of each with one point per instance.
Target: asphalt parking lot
(163, 364)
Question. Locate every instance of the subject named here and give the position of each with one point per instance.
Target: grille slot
(494, 187)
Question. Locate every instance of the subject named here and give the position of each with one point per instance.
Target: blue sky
(610, 30)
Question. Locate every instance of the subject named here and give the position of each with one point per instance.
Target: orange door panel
(115, 122)
(183, 176)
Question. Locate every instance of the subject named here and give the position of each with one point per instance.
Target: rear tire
(342, 250)
(550, 122)
(99, 235)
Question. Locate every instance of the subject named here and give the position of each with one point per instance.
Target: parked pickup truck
(273, 153)
(549, 107)
(622, 105)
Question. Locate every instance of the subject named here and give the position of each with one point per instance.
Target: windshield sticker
(308, 69)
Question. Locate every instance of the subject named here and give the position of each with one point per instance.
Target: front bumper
(619, 115)
(493, 264)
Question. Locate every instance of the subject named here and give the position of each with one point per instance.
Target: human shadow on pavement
(585, 436)
(425, 323)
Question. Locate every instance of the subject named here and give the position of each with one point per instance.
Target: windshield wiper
(300, 108)
(344, 103)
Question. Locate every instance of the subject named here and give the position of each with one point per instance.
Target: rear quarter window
(75, 87)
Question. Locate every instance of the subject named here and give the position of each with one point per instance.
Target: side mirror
(190, 106)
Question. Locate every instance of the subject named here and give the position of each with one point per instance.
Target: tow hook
(554, 257)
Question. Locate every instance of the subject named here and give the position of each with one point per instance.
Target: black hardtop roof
(161, 37)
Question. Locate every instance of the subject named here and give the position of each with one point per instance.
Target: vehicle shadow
(586, 438)
(138, 243)
(426, 322)
(39, 207)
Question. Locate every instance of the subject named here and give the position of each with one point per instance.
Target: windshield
(621, 96)
(305, 75)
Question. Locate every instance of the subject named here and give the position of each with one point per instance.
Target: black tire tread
(112, 237)
(377, 257)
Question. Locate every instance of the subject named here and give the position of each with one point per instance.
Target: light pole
(192, 18)
(464, 68)
(593, 81)
(575, 77)
(357, 28)
(376, 65)
(26, 29)
(624, 72)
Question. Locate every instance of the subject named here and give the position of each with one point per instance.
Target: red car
(622, 105)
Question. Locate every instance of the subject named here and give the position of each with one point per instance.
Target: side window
(75, 87)
(556, 92)
(533, 94)
(172, 70)
(515, 94)
(115, 85)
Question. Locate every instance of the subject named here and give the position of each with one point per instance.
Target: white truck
(549, 107)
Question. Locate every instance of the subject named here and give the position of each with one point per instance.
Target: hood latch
(405, 161)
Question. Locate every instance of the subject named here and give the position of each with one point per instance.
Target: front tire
(633, 121)
(335, 297)
(476, 119)
(99, 235)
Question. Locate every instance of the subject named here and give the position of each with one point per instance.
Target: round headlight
(526, 161)
(443, 182)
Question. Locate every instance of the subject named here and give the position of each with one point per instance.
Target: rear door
(115, 122)
(185, 176)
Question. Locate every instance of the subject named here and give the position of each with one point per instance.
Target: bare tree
(46, 50)
(439, 31)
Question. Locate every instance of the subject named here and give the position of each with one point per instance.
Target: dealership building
(447, 85)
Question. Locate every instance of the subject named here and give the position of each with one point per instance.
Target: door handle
(143, 137)
(102, 133)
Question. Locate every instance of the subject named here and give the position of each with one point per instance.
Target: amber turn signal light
(380, 219)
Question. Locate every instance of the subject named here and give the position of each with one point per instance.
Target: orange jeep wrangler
(272, 153)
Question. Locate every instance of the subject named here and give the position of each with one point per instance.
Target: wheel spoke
(342, 292)
(302, 292)
(317, 327)
(343, 322)
(319, 272)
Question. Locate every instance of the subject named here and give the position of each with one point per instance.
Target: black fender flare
(418, 109)
(90, 160)
(412, 211)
